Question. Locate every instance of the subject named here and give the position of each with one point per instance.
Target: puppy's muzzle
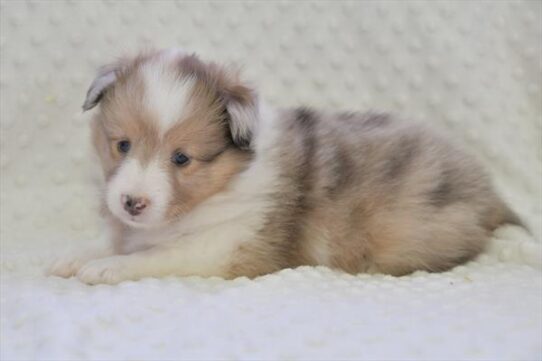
(134, 205)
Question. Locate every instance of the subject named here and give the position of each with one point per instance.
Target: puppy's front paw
(67, 266)
(110, 270)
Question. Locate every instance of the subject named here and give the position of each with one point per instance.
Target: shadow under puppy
(203, 178)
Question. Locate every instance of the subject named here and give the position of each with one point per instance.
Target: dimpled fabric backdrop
(472, 68)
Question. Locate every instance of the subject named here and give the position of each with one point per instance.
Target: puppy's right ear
(106, 77)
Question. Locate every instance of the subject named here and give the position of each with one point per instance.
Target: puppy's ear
(241, 104)
(105, 78)
(239, 101)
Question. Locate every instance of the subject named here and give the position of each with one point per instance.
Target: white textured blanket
(473, 68)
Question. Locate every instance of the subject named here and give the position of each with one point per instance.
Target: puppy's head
(170, 132)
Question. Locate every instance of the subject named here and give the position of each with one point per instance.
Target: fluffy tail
(507, 216)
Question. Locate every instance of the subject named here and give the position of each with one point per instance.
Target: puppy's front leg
(158, 261)
(69, 264)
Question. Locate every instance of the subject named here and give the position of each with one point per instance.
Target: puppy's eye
(180, 159)
(123, 146)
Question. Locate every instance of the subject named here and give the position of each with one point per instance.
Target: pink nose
(134, 205)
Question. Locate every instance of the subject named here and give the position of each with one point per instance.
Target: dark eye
(179, 158)
(123, 146)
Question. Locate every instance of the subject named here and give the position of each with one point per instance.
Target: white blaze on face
(166, 98)
(166, 94)
(150, 181)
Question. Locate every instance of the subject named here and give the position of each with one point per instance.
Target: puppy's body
(266, 189)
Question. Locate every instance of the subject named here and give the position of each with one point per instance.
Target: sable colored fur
(217, 183)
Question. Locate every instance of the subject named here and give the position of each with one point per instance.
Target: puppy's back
(368, 192)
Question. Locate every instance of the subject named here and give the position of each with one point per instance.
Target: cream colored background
(473, 68)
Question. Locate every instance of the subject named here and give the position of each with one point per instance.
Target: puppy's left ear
(105, 78)
(242, 110)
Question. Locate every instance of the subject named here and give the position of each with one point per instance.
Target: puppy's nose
(134, 205)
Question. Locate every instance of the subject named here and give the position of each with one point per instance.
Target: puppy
(203, 178)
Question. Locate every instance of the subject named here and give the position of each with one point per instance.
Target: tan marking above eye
(209, 157)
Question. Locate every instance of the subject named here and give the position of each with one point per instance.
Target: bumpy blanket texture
(472, 68)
